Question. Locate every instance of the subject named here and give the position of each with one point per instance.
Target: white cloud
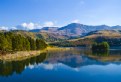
(3, 28)
(28, 25)
(48, 66)
(13, 28)
(31, 25)
(37, 26)
(48, 24)
(7, 28)
(76, 21)
(31, 66)
(45, 66)
(76, 69)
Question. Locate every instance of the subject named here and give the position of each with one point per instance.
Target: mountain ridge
(75, 29)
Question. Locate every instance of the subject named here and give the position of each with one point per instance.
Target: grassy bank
(21, 55)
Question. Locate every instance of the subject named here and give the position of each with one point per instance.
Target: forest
(16, 42)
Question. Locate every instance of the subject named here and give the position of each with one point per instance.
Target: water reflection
(8, 68)
(74, 58)
(100, 53)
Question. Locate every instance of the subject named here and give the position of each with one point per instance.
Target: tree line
(77, 43)
(111, 41)
(16, 42)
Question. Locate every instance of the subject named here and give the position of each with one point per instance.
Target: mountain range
(75, 29)
(71, 31)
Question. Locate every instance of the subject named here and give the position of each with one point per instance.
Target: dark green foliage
(100, 46)
(77, 43)
(32, 43)
(100, 52)
(111, 41)
(3, 43)
(40, 44)
(15, 42)
(9, 37)
(20, 43)
(26, 44)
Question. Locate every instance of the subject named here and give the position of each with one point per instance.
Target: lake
(74, 65)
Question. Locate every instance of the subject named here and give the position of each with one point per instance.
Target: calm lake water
(74, 65)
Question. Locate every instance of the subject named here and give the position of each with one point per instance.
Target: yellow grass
(105, 33)
(21, 55)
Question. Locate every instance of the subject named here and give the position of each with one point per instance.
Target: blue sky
(38, 13)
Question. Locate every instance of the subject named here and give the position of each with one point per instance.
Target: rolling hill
(48, 37)
(103, 33)
(113, 37)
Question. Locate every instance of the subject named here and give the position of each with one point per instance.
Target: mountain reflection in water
(75, 59)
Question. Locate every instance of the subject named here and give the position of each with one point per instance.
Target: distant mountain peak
(76, 29)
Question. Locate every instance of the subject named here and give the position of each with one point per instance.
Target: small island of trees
(104, 46)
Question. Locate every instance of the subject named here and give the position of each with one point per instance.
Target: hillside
(113, 37)
(104, 33)
(48, 37)
(25, 33)
(51, 37)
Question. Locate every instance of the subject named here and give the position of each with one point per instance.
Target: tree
(32, 43)
(104, 46)
(17, 43)
(3, 43)
(9, 36)
(26, 44)
(40, 44)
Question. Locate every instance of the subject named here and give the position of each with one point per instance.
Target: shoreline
(22, 55)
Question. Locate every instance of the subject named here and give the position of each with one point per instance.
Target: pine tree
(3, 43)
(40, 44)
(26, 44)
(9, 36)
(32, 43)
